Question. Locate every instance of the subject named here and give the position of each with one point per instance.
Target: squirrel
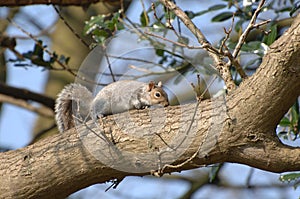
(114, 98)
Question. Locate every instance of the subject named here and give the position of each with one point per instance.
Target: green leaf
(217, 7)
(285, 122)
(295, 8)
(294, 115)
(222, 17)
(296, 185)
(144, 19)
(238, 25)
(183, 40)
(201, 13)
(296, 106)
(289, 177)
(190, 14)
(251, 46)
(94, 23)
(100, 36)
(271, 37)
(64, 59)
(38, 49)
(169, 16)
(285, 9)
(212, 8)
(214, 172)
(159, 52)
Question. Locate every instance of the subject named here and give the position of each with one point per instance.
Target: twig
(38, 43)
(164, 141)
(161, 171)
(65, 67)
(228, 54)
(156, 17)
(108, 63)
(26, 94)
(70, 27)
(219, 63)
(250, 26)
(262, 24)
(145, 12)
(174, 42)
(46, 112)
(250, 174)
(234, 62)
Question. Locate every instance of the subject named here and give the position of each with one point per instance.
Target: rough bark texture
(242, 130)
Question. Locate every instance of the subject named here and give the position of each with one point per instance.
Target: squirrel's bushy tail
(74, 99)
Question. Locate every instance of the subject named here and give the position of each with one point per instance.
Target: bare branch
(227, 53)
(250, 26)
(174, 42)
(25, 94)
(63, 66)
(70, 27)
(46, 112)
(177, 166)
(219, 63)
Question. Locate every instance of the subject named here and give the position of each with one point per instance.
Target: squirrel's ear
(151, 86)
(159, 84)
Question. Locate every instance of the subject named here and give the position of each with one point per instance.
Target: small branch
(174, 42)
(228, 54)
(199, 99)
(219, 63)
(25, 94)
(70, 27)
(250, 26)
(46, 112)
(63, 66)
(109, 64)
(234, 62)
(248, 179)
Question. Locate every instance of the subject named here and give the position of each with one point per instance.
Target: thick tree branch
(25, 172)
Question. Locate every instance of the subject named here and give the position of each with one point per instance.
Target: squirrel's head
(157, 94)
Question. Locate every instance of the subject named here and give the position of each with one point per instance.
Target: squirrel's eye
(157, 94)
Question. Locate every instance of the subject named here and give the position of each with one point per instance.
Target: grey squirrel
(114, 98)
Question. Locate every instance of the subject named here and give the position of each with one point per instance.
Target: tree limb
(26, 95)
(46, 112)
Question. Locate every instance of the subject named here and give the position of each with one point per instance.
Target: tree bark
(238, 128)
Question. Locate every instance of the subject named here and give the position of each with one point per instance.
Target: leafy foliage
(291, 177)
(37, 57)
(102, 27)
(291, 123)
